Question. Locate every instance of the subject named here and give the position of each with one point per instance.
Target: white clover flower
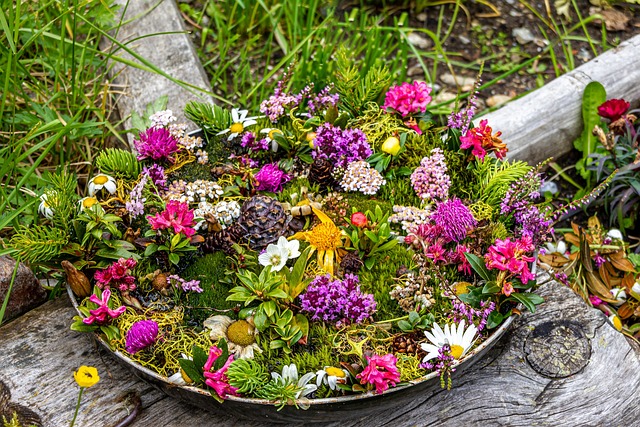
(458, 339)
(101, 181)
(289, 247)
(162, 118)
(274, 256)
(239, 122)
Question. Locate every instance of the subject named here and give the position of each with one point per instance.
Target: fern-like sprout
(37, 244)
(119, 163)
(496, 177)
(209, 117)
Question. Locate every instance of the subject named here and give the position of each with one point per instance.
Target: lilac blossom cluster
(519, 201)
(454, 218)
(341, 146)
(187, 286)
(252, 144)
(135, 204)
(338, 301)
(461, 311)
(430, 179)
(323, 100)
(442, 364)
(277, 105)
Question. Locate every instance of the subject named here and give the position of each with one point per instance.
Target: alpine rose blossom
(408, 98)
(218, 380)
(613, 109)
(271, 178)
(102, 314)
(506, 255)
(381, 372)
(176, 215)
(482, 142)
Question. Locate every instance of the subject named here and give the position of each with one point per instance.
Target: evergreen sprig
(121, 164)
(62, 198)
(209, 117)
(495, 179)
(247, 376)
(38, 244)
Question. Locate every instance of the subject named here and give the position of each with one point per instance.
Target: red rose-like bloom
(176, 215)
(359, 219)
(381, 372)
(613, 109)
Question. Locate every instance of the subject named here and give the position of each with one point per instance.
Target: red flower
(359, 219)
(176, 215)
(613, 109)
(481, 141)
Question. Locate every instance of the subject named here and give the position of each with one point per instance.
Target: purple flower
(143, 334)
(157, 175)
(135, 205)
(461, 311)
(156, 144)
(250, 142)
(454, 218)
(271, 178)
(598, 259)
(338, 301)
(430, 179)
(323, 100)
(187, 286)
(462, 119)
(341, 146)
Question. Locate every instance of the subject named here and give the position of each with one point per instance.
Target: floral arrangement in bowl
(338, 243)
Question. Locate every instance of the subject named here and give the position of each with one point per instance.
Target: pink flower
(218, 380)
(359, 219)
(463, 263)
(481, 141)
(176, 215)
(506, 255)
(594, 300)
(381, 371)
(408, 98)
(271, 178)
(117, 275)
(613, 109)
(143, 334)
(157, 144)
(103, 313)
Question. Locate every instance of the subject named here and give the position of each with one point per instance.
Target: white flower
(101, 181)
(46, 200)
(559, 248)
(620, 295)
(270, 132)
(162, 118)
(458, 339)
(331, 377)
(289, 247)
(239, 122)
(635, 289)
(87, 202)
(275, 256)
(616, 322)
(615, 234)
(290, 377)
(240, 335)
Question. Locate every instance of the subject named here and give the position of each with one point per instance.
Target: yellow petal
(328, 261)
(322, 216)
(300, 235)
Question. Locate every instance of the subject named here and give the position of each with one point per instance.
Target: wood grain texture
(545, 122)
(39, 354)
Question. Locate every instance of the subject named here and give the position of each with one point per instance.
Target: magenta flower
(218, 380)
(408, 98)
(481, 141)
(613, 109)
(381, 372)
(143, 334)
(506, 255)
(455, 219)
(156, 144)
(103, 313)
(176, 215)
(271, 178)
(117, 275)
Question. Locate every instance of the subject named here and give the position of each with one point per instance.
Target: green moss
(463, 181)
(210, 269)
(362, 203)
(418, 146)
(399, 192)
(192, 172)
(294, 188)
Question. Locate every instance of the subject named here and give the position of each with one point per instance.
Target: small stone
(445, 96)
(584, 55)
(419, 41)
(494, 100)
(464, 39)
(549, 187)
(523, 35)
(422, 17)
(26, 293)
(465, 83)
(416, 70)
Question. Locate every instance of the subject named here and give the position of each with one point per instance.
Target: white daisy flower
(270, 137)
(239, 122)
(289, 247)
(560, 247)
(331, 377)
(290, 377)
(616, 322)
(46, 200)
(87, 202)
(240, 335)
(101, 181)
(458, 339)
(275, 256)
(620, 296)
(180, 377)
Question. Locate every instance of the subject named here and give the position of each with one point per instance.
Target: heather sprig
(430, 180)
(341, 146)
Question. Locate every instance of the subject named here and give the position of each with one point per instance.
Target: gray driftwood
(172, 53)
(26, 292)
(592, 382)
(544, 123)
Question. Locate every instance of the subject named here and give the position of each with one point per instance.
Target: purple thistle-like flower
(454, 218)
(156, 144)
(271, 178)
(430, 180)
(143, 334)
(341, 146)
(337, 301)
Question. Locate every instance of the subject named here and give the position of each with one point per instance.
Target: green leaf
(369, 262)
(269, 308)
(222, 359)
(494, 319)
(175, 240)
(276, 344)
(78, 326)
(490, 288)
(188, 367)
(478, 266)
(174, 258)
(260, 320)
(199, 358)
(372, 236)
(528, 299)
(414, 317)
(405, 326)
(302, 323)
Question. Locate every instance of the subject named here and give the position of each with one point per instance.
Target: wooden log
(545, 122)
(593, 388)
(172, 52)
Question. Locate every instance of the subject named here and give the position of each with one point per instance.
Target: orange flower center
(325, 236)
(100, 179)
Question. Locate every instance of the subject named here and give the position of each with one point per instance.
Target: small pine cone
(321, 173)
(218, 241)
(351, 263)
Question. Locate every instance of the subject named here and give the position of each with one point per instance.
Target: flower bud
(391, 146)
(359, 219)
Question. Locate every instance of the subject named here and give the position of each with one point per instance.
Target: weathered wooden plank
(39, 354)
(545, 122)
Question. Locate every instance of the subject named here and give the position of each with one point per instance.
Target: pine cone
(321, 173)
(218, 241)
(351, 263)
(262, 221)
